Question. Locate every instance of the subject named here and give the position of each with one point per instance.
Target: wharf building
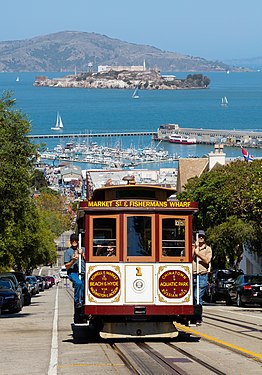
(211, 136)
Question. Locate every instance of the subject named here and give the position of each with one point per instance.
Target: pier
(211, 136)
(234, 137)
(92, 135)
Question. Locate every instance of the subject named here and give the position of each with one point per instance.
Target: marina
(111, 157)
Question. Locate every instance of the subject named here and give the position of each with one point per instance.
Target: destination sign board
(140, 204)
(174, 284)
(104, 284)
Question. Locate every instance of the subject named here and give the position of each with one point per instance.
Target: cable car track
(217, 317)
(147, 367)
(137, 366)
(246, 327)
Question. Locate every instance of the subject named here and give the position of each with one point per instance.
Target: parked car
(46, 282)
(246, 289)
(219, 282)
(22, 281)
(34, 284)
(50, 280)
(63, 273)
(11, 299)
(41, 283)
(56, 278)
(18, 287)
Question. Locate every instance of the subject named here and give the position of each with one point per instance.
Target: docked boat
(182, 139)
(59, 123)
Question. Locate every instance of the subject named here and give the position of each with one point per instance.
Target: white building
(120, 68)
(217, 157)
(251, 262)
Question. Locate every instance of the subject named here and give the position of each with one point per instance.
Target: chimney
(218, 156)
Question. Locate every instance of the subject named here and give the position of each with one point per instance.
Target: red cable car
(138, 277)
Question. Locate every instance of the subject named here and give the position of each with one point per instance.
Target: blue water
(103, 110)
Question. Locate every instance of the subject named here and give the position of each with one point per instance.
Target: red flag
(247, 155)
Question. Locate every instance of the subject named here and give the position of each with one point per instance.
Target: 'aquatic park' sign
(174, 284)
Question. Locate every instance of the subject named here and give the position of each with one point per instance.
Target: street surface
(38, 340)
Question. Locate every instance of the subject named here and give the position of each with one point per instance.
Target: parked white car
(63, 273)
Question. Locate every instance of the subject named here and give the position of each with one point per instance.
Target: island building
(120, 68)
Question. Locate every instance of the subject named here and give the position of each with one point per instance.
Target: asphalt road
(38, 340)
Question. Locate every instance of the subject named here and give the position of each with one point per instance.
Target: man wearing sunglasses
(202, 254)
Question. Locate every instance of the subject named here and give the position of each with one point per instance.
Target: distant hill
(70, 50)
(254, 63)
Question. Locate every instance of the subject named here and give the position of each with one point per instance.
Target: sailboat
(59, 123)
(224, 101)
(135, 94)
(17, 79)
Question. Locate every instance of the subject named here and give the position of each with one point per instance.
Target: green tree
(230, 209)
(27, 229)
(54, 211)
(39, 180)
(16, 167)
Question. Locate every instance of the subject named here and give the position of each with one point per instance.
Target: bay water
(112, 110)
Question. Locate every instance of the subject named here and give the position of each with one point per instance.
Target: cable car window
(139, 236)
(104, 236)
(173, 237)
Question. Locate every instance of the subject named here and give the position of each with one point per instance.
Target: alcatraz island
(125, 77)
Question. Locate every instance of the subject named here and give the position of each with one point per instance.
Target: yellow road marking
(221, 342)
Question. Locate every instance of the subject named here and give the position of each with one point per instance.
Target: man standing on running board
(202, 254)
(71, 261)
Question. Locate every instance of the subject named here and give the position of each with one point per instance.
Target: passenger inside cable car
(99, 249)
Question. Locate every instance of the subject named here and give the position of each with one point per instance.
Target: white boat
(17, 79)
(59, 123)
(182, 139)
(135, 94)
(224, 101)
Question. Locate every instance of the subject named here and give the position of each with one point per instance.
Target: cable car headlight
(139, 285)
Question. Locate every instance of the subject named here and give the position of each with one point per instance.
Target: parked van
(63, 273)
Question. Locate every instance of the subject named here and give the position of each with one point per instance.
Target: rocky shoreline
(145, 80)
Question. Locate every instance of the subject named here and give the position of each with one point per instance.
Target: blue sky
(224, 29)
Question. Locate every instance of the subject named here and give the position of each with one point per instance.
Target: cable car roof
(132, 191)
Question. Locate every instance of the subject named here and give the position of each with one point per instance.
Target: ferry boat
(182, 139)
